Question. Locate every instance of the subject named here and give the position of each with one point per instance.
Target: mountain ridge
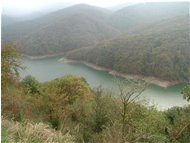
(84, 25)
(72, 27)
(162, 53)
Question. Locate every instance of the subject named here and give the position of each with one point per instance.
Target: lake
(52, 67)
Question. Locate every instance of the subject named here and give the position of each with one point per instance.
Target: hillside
(161, 51)
(67, 29)
(7, 20)
(137, 17)
(84, 25)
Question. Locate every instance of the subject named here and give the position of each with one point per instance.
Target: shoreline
(148, 79)
(42, 57)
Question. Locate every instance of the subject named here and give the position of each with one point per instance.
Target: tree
(100, 115)
(178, 127)
(31, 85)
(186, 92)
(10, 65)
(128, 94)
(104, 108)
(66, 98)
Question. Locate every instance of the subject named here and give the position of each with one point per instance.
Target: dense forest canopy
(161, 51)
(60, 31)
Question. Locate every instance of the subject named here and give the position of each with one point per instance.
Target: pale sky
(28, 6)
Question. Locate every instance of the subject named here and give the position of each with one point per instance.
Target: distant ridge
(84, 25)
(135, 17)
(63, 30)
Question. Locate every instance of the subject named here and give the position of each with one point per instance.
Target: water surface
(53, 67)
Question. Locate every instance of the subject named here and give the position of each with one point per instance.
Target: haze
(25, 7)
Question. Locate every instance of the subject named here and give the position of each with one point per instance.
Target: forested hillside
(83, 25)
(7, 20)
(64, 30)
(161, 50)
(67, 110)
(135, 18)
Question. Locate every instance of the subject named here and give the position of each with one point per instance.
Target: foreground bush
(27, 132)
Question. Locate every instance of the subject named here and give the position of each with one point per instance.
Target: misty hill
(70, 28)
(8, 20)
(29, 14)
(83, 25)
(120, 6)
(161, 51)
(136, 17)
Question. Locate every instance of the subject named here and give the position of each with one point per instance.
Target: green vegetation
(10, 65)
(161, 51)
(15, 132)
(67, 110)
(137, 18)
(186, 92)
(60, 31)
(149, 39)
(83, 25)
(31, 85)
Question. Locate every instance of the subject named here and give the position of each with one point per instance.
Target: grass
(27, 132)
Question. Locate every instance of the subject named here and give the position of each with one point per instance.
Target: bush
(31, 85)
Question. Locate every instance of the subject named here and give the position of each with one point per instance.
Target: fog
(19, 8)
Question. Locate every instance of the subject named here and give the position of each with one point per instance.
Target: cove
(50, 68)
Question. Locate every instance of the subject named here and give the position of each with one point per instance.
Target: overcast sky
(28, 6)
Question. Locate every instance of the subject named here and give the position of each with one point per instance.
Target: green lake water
(53, 67)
